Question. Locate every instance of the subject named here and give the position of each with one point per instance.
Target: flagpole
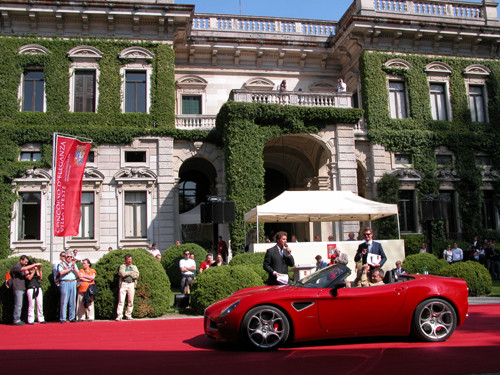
(52, 208)
(53, 195)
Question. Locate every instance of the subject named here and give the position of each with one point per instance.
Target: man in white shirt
(457, 254)
(187, 267)
(155, 252)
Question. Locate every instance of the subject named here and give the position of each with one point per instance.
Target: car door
(351, 309)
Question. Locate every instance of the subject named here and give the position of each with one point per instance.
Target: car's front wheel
(434, 320)
(265, 327)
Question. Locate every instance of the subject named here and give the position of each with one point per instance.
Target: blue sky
(330, 10)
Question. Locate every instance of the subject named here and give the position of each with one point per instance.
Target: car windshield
(325, 278)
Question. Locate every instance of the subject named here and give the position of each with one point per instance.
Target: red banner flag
(70, 159)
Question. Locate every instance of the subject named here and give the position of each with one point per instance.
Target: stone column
(167, 215)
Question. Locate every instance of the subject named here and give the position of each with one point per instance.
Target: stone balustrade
(191, 122)
(211, 22)
(454, 9)
(299, 98)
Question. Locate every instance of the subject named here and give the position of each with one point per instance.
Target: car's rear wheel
(265, 327)
(434, 320)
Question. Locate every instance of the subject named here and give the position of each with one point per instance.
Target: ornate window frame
(135, 179)
(83, 58)
(476, 75)
(191, 85)
(31, 49)
(140, 60)
(439, 72)
(323, 85)
(259, 84)
(33, 181)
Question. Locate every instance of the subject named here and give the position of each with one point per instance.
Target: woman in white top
(341, 85)
(447, 254)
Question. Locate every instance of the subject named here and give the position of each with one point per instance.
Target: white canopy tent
(319, 206)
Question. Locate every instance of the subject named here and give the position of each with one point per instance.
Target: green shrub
(217, 283)
(248, 258)
(415, 263)
(171, 257)
(413, 243)
(476, 276)
(153, 296)
(253, 260)
(50, 292)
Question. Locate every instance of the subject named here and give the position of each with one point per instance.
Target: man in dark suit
(372, 247)
(278, 259)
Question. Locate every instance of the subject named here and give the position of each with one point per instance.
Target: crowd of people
(486, 254)
(77, 287)
(369, 259)
(482, 252)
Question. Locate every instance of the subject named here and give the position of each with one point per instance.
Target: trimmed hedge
(50, 292)
(413, 243)
(415, 263)
(253, 260)
(217, 283)
(171, 257)
(153, 296)
(476, 275)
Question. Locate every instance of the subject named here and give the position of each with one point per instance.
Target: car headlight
(227, 310)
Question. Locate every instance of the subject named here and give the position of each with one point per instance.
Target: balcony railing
(299, 98)
(453, 9)
(446, 11)
(190, 122)
(251, 24)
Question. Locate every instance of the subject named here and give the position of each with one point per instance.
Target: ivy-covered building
(182, 106)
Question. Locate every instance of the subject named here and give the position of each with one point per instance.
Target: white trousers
(126, 289)
(31, 305)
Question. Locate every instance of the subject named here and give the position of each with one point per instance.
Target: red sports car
(320, 306)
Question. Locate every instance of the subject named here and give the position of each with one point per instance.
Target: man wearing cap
(68, 274)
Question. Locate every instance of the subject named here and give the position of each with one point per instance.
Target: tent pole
(399, 228)
(257, 239)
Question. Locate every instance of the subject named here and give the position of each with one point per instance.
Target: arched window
(196, 183)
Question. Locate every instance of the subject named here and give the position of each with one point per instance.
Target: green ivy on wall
(244, 129)
(421, 136)
(108, 126)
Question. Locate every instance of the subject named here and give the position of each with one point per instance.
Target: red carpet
(178, 346)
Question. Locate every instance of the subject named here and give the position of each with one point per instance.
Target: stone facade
(241, 58)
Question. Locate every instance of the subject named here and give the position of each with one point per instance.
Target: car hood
(262, 293)
(258, 290)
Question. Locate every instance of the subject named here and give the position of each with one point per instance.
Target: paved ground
(179, 346)
(483, 300)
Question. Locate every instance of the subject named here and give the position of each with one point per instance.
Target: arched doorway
(275, 183)
(197, 181)
(294, 162)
